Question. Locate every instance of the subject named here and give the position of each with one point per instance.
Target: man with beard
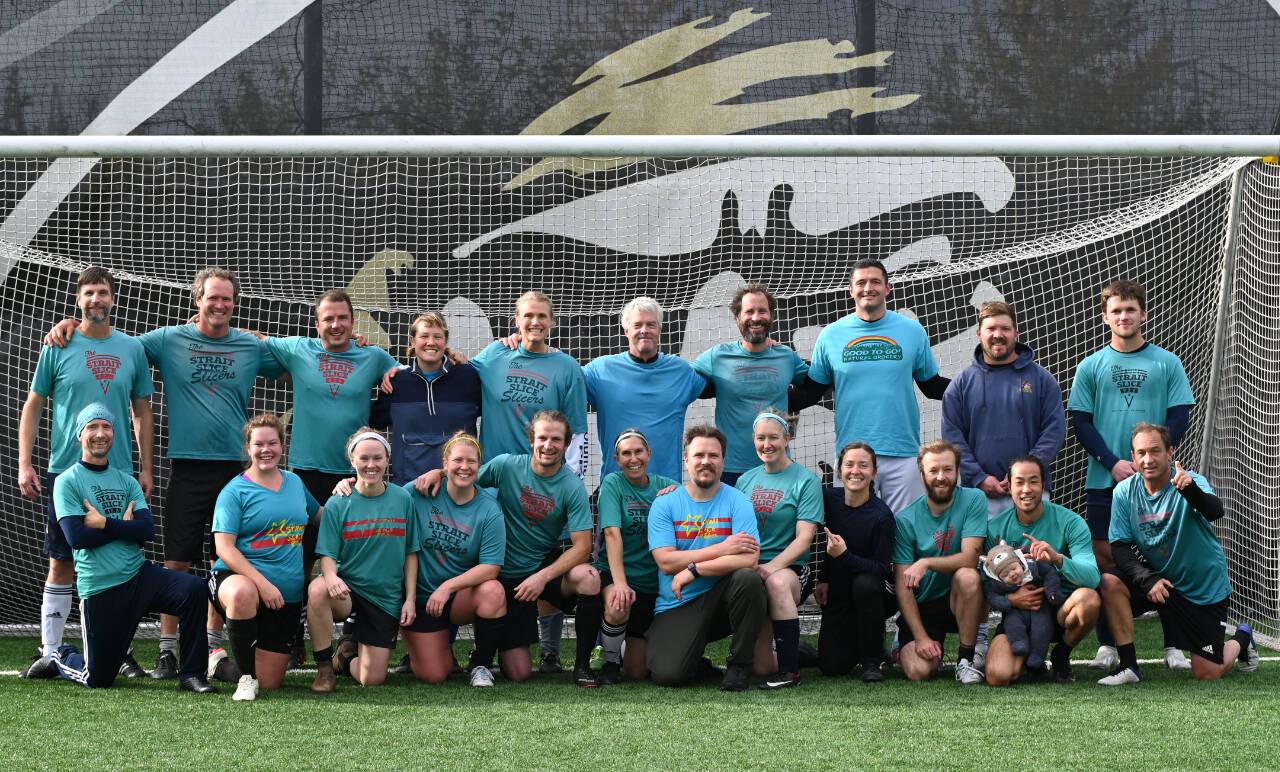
(1002, 406)
(705, 541)
(747, 374)
(98, 364)
(643, 388)
(935, 558)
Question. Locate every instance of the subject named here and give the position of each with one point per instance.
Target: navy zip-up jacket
(424, 414)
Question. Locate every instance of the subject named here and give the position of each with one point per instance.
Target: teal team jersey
(268, 527)
(369, 537)
(874, 366)
(536, 509)
(207, 382)
(331, 398)
(1064, 530)
(780, 500)
(1121, 390)
(650, 396)
(455, 538)
(111, 370)
(110, 491)
(921, 535)
(626, 507)
(1175, 539)
(746, 382)
(676, 520)
(515, 385)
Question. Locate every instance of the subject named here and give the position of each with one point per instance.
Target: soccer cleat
(736, 678)
(980, 655)
(1121, 676)
(549, 662)
(227, 671)
(406, 665)
(966, 673)
(1107, 658)
(130, 668)
(1175, 659)
(597, 656)
(40, 667)
(217, 655)
(871, 673)
(325, 683)
(1247, 661)
(166, 667)
(584, 677)
(780, 681)
(297, 658)
(610, 674)
(246, 689)
(808, 655)
(198, 684)
(709, 671)
(480, 676)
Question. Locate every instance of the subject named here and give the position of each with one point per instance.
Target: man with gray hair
(642, 387)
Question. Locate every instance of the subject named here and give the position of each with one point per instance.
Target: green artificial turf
(1167, 721)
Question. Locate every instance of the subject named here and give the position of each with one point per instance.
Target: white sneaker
(1107, 659)
(247, 689)
(215, 656)
(980, 655)
(1175, 659)
(1120, 677)
(966, 673)
(480, 676)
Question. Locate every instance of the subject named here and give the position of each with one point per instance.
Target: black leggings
(853, 624)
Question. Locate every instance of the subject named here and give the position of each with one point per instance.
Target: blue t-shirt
(207, 382)
(110, 491)
(268, 527)
(746, 382)
(455, 538)
(516, 385)
(922, 535)
(676, 520)
(1120, 390)
(111, 370)
(652, 397)
(331, 397)
(874, 366)
(536, 509)
(1175, 539)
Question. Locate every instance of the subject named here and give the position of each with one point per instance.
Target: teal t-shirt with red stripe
(368, 537)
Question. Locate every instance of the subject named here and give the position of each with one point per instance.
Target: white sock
(54, 609)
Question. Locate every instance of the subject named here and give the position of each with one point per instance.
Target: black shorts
(641, 610)
(55, 541)
(937, 619)
(373, 626)
(320, 486)
(1189, 626)
(194, 485)
(1098, 512)
(276, 627)
(425, 623)
(521, 622)
(808, 579)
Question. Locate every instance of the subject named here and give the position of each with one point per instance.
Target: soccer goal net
(467, 235)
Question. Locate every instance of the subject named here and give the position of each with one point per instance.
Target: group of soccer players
(427, 525)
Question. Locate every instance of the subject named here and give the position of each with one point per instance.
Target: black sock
(243, 636)
(1242, 638)
(1061, 653)
(488, 633)
(1128, 655)
(323, 655)
(966, 652)
(786, 639)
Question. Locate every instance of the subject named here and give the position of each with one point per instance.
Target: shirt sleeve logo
(103, 367)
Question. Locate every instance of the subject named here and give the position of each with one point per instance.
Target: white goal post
(464, 224)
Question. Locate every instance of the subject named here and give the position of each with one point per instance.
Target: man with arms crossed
(1128, 381)
(102, 364)
(1053, 534)
(874, 357)
(935, 558)
(1169, 559)
(705, 541)
(747, 374)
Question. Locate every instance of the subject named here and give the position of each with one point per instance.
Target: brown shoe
(324, 683)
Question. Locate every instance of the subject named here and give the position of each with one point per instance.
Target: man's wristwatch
(693, 569)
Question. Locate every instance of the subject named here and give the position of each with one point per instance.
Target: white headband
(627, 436)
(362, 436)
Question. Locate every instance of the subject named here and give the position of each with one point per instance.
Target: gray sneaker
(966, 673)
(1247, 662)
(480, 676)
(1121, 676)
